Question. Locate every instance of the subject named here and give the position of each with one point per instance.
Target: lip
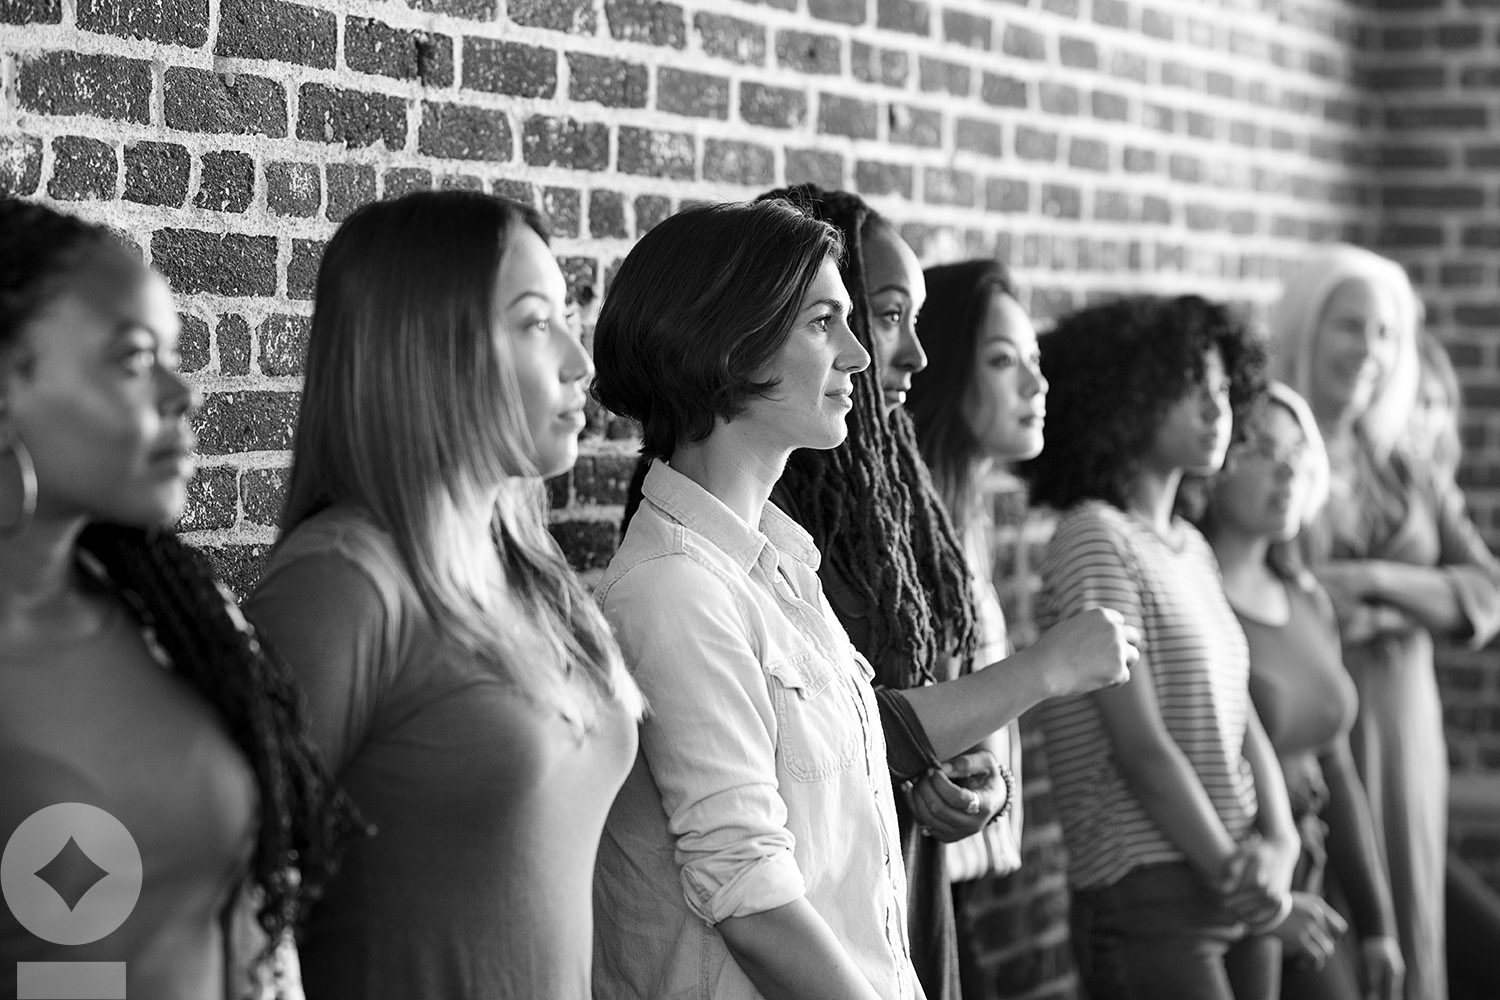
(574, 417)
(1028, 419)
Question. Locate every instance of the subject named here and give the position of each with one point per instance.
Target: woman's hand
(1093, 649)
(1311, 931)
(958, 799)
(1382, 970)
(1258, 879)
(1352, 579)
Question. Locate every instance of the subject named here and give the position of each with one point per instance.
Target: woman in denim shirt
(752, 850)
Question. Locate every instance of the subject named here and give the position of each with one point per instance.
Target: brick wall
(1433, 66)
(1095, 145)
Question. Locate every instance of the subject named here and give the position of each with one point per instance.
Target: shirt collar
(694, 507)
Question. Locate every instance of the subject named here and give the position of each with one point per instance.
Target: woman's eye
(141, 359)
(1003, 360)
(821, 323)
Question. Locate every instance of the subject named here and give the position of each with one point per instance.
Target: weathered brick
(293, 189)
(581, 275)
(573, 16)
(1058, 98)
(350, 185)
(249, 420)
(1129, 66)
(30, 11)
(563, 142)
(1006, 194)
(650, 209)
(776, 107)
(352, 117)
(20, 164)
(509, 68)
(969, 30)
(648, 21)
(82, 169)
(940, 74)
(200, 100)
(915, 126)
(815, 166)
(272, 29)
(216, 263)
(614, 83)
(1003, 91)
(1201, 126)
(156, 173)
(192, 343)
(237, 565)
(1111, 205)
(282, 341)
(1035, 143)
(809, 52)
(1109, 106)
(725, 37)
(607, 215)
(1434, 196)
(840, 11)
(697, 95)
(1112, 13)
(211, 499)
(519, 191)
(876, 178)
(226, 181)
(232, 335)
(302, 269)
(1023, 43)
(942, 186)
(1078, 53)
(1431, 116)
(1062, 201)
(1158, 117)
(888, 67)
(1088, 154)
(372, 46)
(168, 22)
(69, 83)
(976, 135)
(462, 132)
(460, 182)
(262, 492)
(1182, 167)
(602, 479)
(590, 544)
(1158, 24)
(1156, 210)
(910, 16)
(839, 115)
(745, 163)
(657, 153)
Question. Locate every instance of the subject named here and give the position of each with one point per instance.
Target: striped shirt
(1101, 556)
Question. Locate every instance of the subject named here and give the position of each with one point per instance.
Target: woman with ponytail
(155, 779)
(463, 686)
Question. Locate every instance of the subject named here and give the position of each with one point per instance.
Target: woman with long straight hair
(895, 573)
(156, 777)
(1398, 554)
(462, 685)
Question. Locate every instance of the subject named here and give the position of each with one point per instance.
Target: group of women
(418, 745)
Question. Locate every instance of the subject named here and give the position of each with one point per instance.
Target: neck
(1335, 421)
(1241, 555)
(739, 477)
(1152, 495)
(37, 568)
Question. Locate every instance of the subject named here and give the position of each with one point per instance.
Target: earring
(28, 487)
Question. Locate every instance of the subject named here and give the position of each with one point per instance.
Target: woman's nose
(909, 354)
(177, 397)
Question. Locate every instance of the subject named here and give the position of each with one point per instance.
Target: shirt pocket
(819, 730)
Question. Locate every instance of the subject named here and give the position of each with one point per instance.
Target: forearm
(1353, 854)
(1274, 811)
(961, 713)
(1172, 795)
(789, 953)
(1424, 592)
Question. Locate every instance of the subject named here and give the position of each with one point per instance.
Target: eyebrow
(838, 304)
(529, 293)
(892, 287)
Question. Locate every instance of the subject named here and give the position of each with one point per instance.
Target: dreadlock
(171, 590)
(870, 505)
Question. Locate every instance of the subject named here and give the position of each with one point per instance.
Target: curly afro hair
(1115, 369)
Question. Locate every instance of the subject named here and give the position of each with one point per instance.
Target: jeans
(1160, 933)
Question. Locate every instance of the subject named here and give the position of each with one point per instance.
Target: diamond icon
(71, 874)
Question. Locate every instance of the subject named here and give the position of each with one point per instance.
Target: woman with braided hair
(896, 576)
(462, 684)
(155, 774)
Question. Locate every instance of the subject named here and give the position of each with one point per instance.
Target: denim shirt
(762, 774)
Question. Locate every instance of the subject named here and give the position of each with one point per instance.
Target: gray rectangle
(70, 981)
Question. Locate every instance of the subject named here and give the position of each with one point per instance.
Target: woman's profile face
(1263, 490)
(1005, 404)
(814, 371)
(895, 290)
(551, 366)
(1353, 348)
(1194, 432)
(95, 397)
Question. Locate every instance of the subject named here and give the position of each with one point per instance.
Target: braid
(870, 506)
(304, 818)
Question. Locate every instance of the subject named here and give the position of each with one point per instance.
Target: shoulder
(341, 556)
(1093, 525)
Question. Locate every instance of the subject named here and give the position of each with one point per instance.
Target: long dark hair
(170, 588)
(958, 296)
(870, 505)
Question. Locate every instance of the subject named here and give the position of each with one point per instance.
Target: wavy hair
(410, 410)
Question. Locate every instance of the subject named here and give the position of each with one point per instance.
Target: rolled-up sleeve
(709, 739)
(1472, 570)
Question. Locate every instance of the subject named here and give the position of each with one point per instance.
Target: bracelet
(1010, 791)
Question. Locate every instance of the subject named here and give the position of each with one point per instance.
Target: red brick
(875, 178)
(646, 21)
(563, 207)
(199, 100)
(350, 185)
(969, 30)
(839, 115)
(725, 37)
(696, 95)
(182, 22)
(217, 263)
(809, 52)
(226, 181)
(1004, 194)
(656, 153)
(840, 11)
(83, 169)
(156, 173)
(911, 126)
(282, 340)
(372, 46)
(564, 142)
(939, 74)
(293, 189)
(271, 29)
(977, 135)
(910, 16)
(573, 16)
(816, 166)
(890, 67)
(614, 83)
(352, 117)
(776, 107)
(1035, 143)
(1003, 91)
(748, 164)
(607, 215)
(67, 83)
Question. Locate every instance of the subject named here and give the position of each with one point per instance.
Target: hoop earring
(28, 487)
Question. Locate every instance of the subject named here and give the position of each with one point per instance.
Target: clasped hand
(956, 800)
